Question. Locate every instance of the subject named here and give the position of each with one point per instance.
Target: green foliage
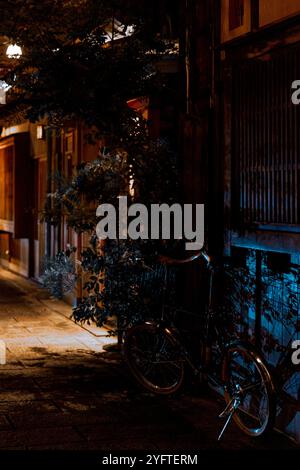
(67, 71)
(116, 271)
(152, 168)
(123, 281)
(59, 275)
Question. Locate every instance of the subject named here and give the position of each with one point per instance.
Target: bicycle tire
(238, 362)
(160, 372)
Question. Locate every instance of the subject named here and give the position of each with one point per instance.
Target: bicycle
(157, 355)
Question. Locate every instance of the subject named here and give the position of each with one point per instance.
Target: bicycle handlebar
(175, 261)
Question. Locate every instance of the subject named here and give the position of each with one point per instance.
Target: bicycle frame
(209, 315)
(234, 392)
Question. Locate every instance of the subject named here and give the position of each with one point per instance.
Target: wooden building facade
(29, 156)
(240, 138)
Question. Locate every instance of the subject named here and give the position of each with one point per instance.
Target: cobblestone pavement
(60, 390)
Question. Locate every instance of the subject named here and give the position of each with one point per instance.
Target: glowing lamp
(13, 51)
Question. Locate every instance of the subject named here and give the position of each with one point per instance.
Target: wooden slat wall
(266, 139)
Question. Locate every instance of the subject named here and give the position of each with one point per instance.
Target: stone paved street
(60, 390)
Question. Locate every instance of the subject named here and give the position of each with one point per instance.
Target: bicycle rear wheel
(249, 390)
(152, 355)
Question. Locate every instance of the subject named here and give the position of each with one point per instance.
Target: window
(6, 183)
(236, 14)
(16, 185)
(266, 145)
(235, 19)
(69, 141)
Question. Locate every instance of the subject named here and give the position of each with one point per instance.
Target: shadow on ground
(83, 400)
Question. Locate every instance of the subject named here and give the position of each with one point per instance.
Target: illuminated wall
(238, 17)
(279, 10)
(278, 302)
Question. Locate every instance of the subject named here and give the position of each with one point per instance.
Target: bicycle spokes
(246, 392)
(156, 358)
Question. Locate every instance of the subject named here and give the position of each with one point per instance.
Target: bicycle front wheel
(249, 390)
(152, 355)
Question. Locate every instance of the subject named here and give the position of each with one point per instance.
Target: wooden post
(49, 188)
(258, 298)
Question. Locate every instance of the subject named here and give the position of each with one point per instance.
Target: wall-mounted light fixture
(14, 51)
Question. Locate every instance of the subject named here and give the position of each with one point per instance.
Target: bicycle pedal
(223, 415)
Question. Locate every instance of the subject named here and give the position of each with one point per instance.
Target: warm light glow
(13, 51)
(116, 30)
(7, 131)
(131, 184)
(4, 87)
(40, 132)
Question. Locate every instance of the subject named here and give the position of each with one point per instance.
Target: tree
(82, 61)
(70, 69)
(119, 272)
